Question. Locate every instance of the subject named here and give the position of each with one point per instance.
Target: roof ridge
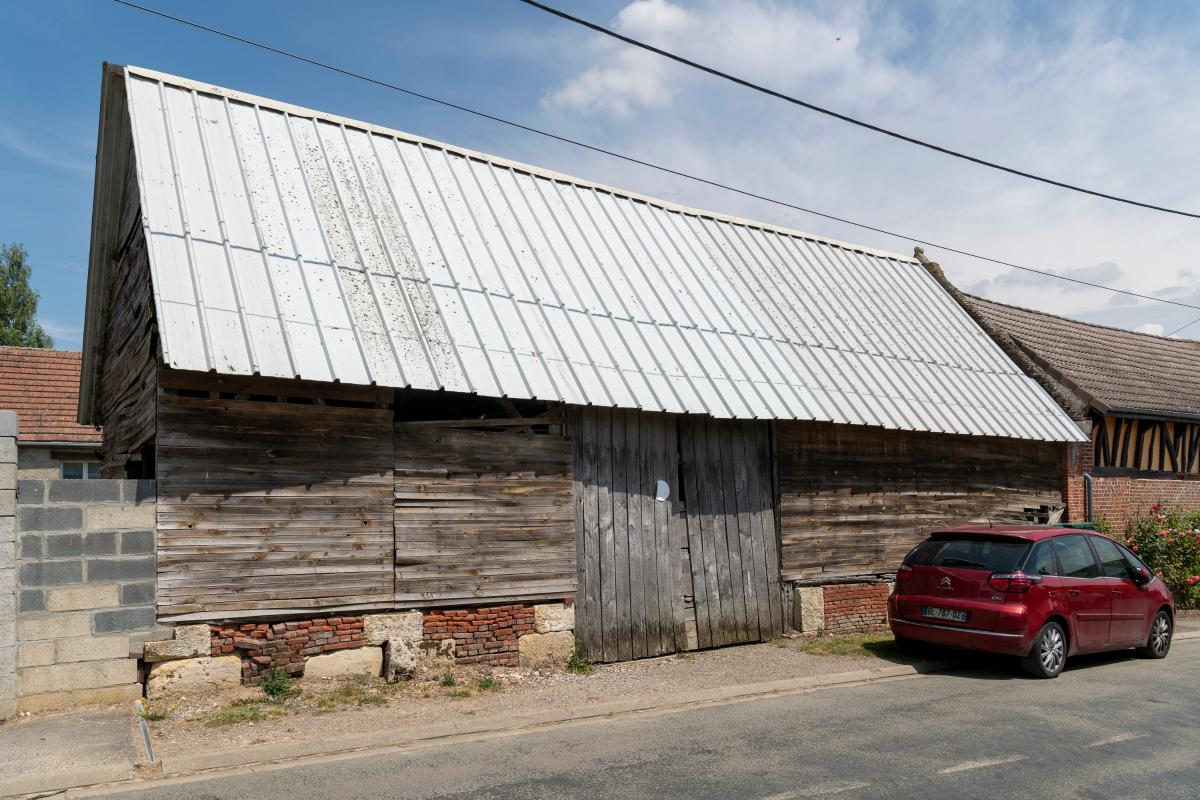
(532, 169)
(1170, 339)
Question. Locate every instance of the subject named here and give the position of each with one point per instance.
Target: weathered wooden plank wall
(126, 390)
(733, 549)
(482, 516)
(271, 505)
(630, 599)
(854, 500)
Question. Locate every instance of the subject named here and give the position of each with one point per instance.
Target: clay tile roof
(1115, 369)
(42, 386)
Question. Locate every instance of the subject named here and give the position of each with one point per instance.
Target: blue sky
(1104, 95)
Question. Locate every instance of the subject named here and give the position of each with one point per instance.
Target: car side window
(1112, 562)
(1075, 557)
(1041, 560)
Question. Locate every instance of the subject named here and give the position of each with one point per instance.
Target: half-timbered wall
(1147, 445)
(854, 500)
(266, 505)
(481, 515)
(129, 364)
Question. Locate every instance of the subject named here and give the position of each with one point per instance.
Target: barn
(372, 373)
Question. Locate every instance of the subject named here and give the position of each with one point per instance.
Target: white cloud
(1150, 327)
(1088, 94)
(24, 143)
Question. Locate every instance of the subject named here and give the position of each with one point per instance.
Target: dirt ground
(331, 707)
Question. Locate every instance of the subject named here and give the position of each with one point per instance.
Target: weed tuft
(488, 683)
(459, 693)
(277, 686)
(448, 680)
(578, 664)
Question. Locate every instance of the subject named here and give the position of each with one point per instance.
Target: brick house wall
(1121, 500)
(85, 590)
(855, 608)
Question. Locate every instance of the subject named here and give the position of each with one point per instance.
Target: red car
(1038, 593)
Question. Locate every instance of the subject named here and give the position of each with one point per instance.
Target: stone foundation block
(57, 626)
(84, 675)
(808, 609)
(35, 654)
(90, 648)
(359, 661)
(189, 641)
(546, 649)
(108, 695)
(188, 676)
(553, 617)
(381, 628)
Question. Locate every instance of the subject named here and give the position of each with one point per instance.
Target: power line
(1185, 327)
(638, 161)
(849, 119)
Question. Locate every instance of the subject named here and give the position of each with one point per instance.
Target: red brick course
(1122, 499)
(856, 608)
(482, 635)
(263, 646)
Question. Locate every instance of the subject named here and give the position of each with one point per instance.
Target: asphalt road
(1109, 727)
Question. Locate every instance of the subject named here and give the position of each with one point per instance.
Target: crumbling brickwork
(1122, 499)
(482, 635)
(856, 608)
(263, 646)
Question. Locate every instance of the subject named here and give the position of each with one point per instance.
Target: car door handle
(1116, 592)
(1072, 592)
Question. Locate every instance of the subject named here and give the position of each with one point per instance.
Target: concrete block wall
(85, 590)
(8, 564)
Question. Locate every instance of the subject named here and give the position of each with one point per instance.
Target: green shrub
(1169, 543)
(278, 686)
(487, 683)
(448, 680)
(578, 664)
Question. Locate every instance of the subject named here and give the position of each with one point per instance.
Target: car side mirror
(1141, 577)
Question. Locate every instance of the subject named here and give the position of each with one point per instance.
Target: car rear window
(969, 552)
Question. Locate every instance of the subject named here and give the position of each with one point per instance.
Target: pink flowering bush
(1169, 542)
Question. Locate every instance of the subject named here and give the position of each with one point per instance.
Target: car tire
(1158, 643)
(1049, 652)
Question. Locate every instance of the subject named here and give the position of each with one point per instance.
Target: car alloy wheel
(1049, 652)
(1159, 642)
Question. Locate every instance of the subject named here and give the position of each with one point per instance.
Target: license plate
(944, 613)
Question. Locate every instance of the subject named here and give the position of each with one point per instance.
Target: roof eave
(110, 166)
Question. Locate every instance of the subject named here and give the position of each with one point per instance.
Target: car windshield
(969, 552)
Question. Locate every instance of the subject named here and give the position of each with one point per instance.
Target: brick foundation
(856, 608)
(264, 646)
(482, 635)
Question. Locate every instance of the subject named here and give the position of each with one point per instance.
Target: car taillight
(1013, 581)
(904, 573)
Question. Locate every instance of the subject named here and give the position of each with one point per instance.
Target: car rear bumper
(1014, 644)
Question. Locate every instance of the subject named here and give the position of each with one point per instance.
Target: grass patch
(686, 655)
(354, 690)
(488, 683)
(874, 645)
(578, 664)
(245, 710)
(448, 680)
(153, 713)
(459, 693)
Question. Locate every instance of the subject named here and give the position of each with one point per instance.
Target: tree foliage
(18, 301)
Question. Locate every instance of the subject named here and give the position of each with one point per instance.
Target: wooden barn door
(629, 602)
(706, 556)
(728, 497)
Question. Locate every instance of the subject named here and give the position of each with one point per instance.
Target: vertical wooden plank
(706, 619)
(748, 511)
(620, 515)
(716, 565)
(604, 505)
(633, 533)
(678, 581)
(649, 457)
(580, 482)
(727, 462)
(767, 460)
(718, 530)
(752, 488)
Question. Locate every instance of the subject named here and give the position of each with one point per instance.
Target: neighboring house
(42, 386)
(369, 371)
(1137, 395)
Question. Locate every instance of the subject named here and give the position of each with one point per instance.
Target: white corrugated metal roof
(292, 243)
